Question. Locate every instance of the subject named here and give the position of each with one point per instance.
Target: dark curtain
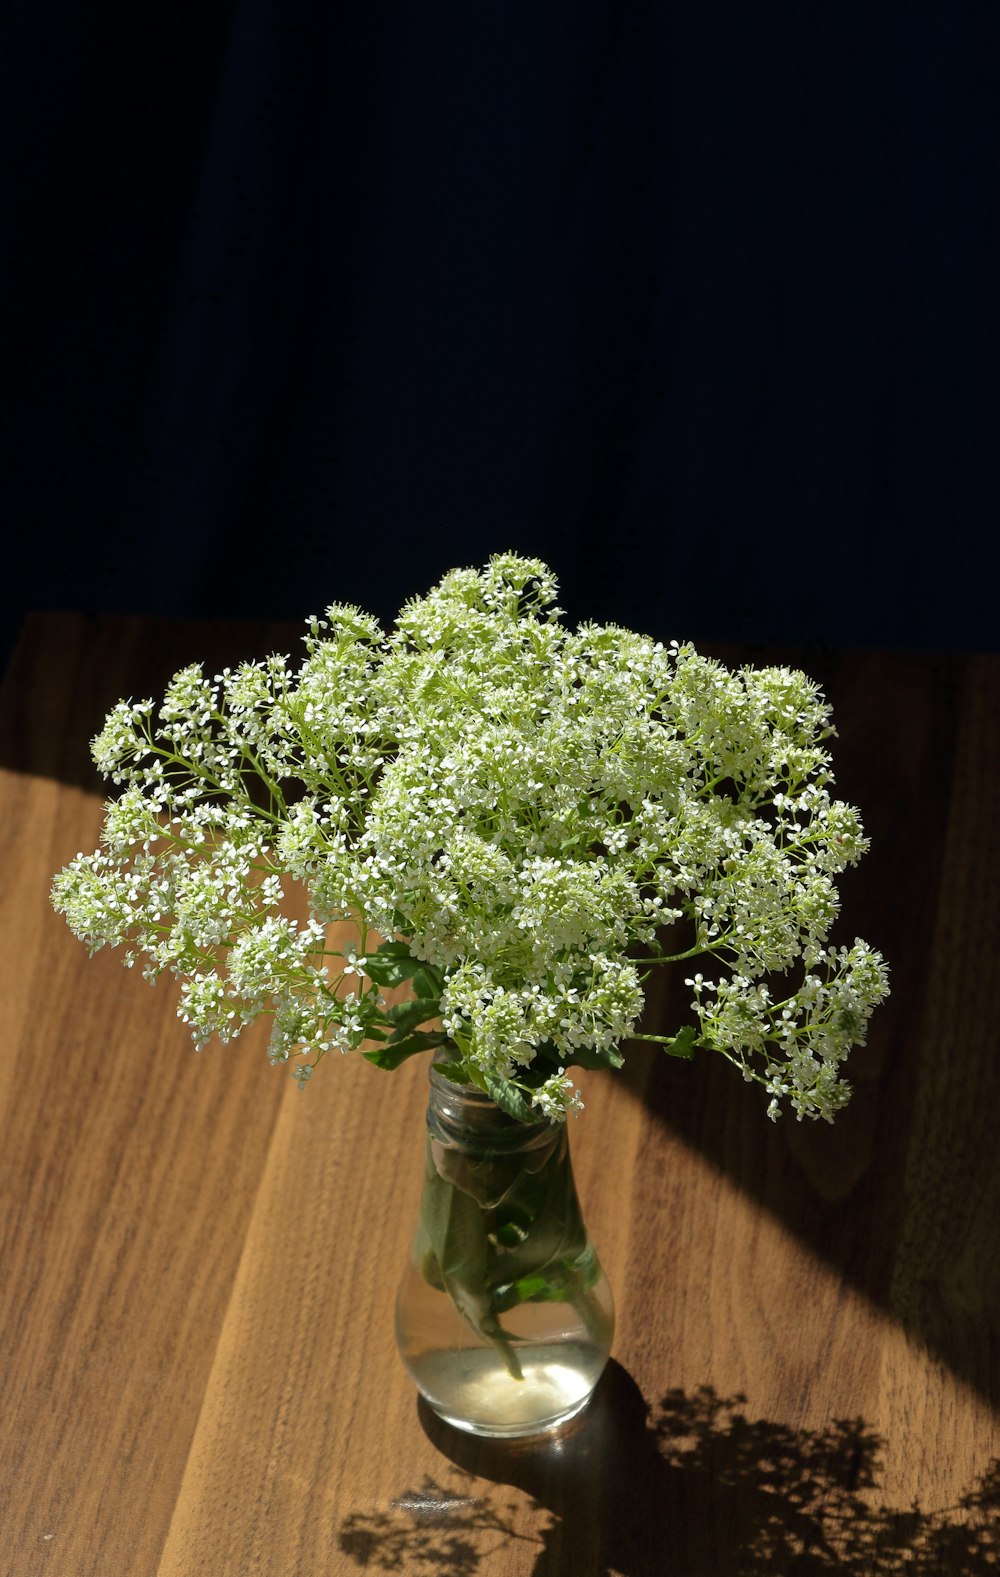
(307, 301)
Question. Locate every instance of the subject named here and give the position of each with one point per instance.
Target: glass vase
(504, 1317)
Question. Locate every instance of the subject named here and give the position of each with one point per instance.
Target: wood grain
(198, 1260)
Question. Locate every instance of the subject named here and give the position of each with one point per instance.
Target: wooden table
(198, 1260)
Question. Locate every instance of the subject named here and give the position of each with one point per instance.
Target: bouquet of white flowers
(525, 817)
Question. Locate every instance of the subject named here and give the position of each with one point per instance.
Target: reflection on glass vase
(504, 1317)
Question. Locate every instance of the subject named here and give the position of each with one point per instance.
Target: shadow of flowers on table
(690, 1486)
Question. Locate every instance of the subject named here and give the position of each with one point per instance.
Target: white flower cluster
(523, 805)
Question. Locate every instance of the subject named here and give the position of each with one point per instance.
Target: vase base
(512, 1431)
(474, 1392)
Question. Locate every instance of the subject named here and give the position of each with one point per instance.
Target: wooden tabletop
(198, 1262)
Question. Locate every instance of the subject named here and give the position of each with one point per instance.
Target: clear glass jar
(504, 1317)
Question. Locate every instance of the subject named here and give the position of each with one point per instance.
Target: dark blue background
(699, 303)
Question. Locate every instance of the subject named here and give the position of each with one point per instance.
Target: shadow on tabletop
(690, 1486)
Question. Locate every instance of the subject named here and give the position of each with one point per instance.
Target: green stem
(698, 951)
(666, 1040)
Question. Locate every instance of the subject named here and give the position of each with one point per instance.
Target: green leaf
(499, 1232)
(548, 1236)
(392, 963)
(683, 1043)
(456, 1230)
(538, 1289)
(581, 1057)
(395, 1053)
(587, 1057)
(407, 1015)
(510, 1100)
(428, 982)
(455, 1071)
(564, 1280)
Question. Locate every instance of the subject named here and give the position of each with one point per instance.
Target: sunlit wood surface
(197, 1371)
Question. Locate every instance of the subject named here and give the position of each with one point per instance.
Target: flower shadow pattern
(690, 1486)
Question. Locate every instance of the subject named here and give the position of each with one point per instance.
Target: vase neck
(463, 1116)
